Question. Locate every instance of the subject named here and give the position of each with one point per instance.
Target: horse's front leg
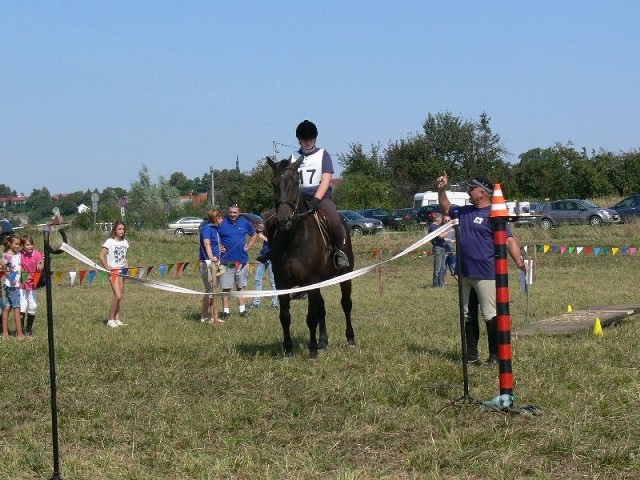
(315, 308)
(321, 313)
(285, 321)
(345, 301)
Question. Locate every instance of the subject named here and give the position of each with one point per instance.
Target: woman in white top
(113, 256)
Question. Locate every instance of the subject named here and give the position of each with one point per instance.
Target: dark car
(402, 218)
(377, 213)
(425, 213)
(575, 212)
(358, 224)
(628, 208)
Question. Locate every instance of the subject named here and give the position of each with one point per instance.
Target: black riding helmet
(306, 130)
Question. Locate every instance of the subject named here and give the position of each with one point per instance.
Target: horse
(301, 255)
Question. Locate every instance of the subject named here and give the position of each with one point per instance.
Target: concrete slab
(579, 320)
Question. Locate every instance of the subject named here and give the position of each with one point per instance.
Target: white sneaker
(204, 320)
(112, 324)
(119, 323)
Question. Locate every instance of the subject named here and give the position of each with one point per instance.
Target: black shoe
(492, 361)
(225, 316)
(244, 314)
(474, 360)
(264, 258)
(340, 259)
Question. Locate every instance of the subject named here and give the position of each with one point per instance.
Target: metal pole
(213, 188)
(52, 353)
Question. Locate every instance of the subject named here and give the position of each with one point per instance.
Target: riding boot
(471, 334)
(30, 319)
(340, 259)
(492, 337)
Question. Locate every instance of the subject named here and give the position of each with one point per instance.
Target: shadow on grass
(273, 349)
(450, 355)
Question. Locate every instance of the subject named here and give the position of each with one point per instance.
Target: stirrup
(340, 259)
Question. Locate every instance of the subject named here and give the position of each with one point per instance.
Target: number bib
(310, 170)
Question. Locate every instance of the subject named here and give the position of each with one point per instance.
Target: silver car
(358, 224)
(184, 225)
(575, 212)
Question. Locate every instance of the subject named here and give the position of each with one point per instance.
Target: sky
(92, 91)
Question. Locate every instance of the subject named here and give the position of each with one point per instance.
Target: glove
(313, 204)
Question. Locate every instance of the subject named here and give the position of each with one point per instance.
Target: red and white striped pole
(499, 217)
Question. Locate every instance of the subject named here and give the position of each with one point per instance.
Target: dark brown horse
(302, 255)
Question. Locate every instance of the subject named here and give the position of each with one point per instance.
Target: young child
(113, 256)
(11, 259)
(31, 261)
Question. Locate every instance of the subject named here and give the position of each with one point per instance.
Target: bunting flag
(184, 267)
(632, 250)
(149, 270)
(103, 277)
(133, 271)
(163, 270)
(12, 277)
(237, 265)
(114, 274)
(546, 248)
(563, 249)
(24, 277)
(555, 248)
(72, 277)
(57, 280)
(36, 277)
(588, 250)
(178, 268)
(579, 249)
(82, 275)
(169, 267)
(92, 276)
(572, 249)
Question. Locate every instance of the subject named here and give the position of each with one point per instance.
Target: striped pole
(499, 216)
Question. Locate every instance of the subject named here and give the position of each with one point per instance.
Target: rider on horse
(316, 187)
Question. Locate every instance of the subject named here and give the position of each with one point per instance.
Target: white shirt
(117, 252)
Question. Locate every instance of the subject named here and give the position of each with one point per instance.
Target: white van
(431, 198)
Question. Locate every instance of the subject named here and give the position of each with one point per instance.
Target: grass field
(169, 397)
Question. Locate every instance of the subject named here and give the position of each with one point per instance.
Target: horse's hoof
(313, 355)
(322, 345)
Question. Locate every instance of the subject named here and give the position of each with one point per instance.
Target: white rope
(262, 293)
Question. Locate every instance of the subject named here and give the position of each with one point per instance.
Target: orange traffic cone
(498, 205)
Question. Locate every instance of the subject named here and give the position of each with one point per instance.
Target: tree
(184, 186)
(6, 191)
(146, 201)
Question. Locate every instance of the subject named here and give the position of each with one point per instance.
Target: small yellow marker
(597, 328)
(569, 309)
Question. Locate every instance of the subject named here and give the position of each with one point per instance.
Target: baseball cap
(482, 182)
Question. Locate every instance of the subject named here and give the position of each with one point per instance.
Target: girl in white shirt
(113, 256)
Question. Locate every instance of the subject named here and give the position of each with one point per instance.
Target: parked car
(377, 213)
(425, 213)
(575, 212)
(402, 218)
(358, 224)
(529, 221)
(184, 225)
(628, 208)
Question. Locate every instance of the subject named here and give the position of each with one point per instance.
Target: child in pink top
(32, 262)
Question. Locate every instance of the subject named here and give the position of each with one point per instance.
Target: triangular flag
(24, 276)
(92, 276)
(624, 251)
(149, 270)
(141, 272)
(36, 277)
(178, 268)
(58, 278)
(103, 276)
(169, 267)
(72, 277)
(526, 249)
(82, 274)
(546, 248)
(579, 249)
(605, 250)
(184, 267)
(12, 277)
(571, 248)
(237, 264)
(498, 205)
(588, 250)
(540, 248)
(596, 251)
(563, 249)
(163, 269)
(632, 250)
(554, 248)
(124, 271)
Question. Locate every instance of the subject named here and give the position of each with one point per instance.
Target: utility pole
(213, 188)
(275, 151)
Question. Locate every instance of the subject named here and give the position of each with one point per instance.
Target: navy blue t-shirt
(476, 242)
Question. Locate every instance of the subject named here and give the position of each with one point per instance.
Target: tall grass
(169, 397)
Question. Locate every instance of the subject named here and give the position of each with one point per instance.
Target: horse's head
(286, 189)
